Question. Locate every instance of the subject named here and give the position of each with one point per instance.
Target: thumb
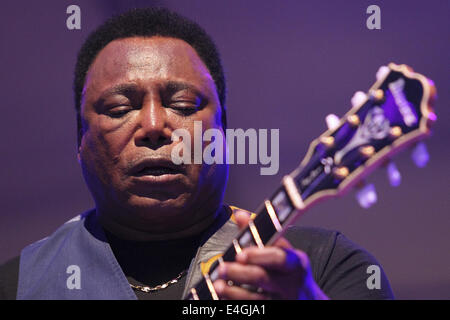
(242, 218)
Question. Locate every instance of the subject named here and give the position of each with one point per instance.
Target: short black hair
(148, 22)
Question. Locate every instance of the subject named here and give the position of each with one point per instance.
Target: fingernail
(241, 213)
(219, 286)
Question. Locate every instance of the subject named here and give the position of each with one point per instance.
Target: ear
(78, 155)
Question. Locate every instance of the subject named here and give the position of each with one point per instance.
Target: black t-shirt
(339, 267)
(154, 263)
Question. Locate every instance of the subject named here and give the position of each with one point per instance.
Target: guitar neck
(271, 220)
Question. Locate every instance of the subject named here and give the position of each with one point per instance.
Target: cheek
(213, 118)
(108, 137)
(98, 157)
(112, 135)
(212, 181)
(214, 174)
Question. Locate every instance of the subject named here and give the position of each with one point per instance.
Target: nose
(153, 131)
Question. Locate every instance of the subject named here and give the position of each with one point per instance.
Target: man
(156, 225)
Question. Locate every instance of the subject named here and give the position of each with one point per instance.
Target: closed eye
(184, 98)
(185, 107)
(185, 111)
(118, 111)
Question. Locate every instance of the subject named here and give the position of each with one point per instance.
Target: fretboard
(270, 222)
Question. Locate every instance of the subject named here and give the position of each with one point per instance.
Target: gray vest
(76, 262)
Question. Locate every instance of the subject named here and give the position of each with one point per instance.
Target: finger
(227, 292)
(293, 256)
(280, 243)
(275, 258)
(242, 218)
(251, 275)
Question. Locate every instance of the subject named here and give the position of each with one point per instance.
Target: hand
(276, 272)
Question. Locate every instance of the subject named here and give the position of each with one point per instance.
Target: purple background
(288, 65)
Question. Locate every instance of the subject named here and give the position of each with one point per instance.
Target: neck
(127, 232)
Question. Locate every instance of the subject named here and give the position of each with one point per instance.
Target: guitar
(394, 114)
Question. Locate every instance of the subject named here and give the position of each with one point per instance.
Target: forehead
(142, 60)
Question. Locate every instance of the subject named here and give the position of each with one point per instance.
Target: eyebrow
(122, 89)
(175, 86)
(171, 86)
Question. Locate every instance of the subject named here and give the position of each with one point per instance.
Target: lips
(156, 171)
(156, 167)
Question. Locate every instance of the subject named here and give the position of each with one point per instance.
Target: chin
(152, 207)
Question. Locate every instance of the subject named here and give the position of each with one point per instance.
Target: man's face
(137, 92)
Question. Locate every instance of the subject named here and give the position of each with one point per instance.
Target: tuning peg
(395, 132)
(420, 155)
(366, 151)
(367, 196)
(353, 120)
(394, 176)
(382, 72)
(358, 98)
(332, 121)
(341, 172)
(327, 141)
(377, 95)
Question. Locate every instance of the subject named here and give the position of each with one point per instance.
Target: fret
(293, 193)
(237, 247)
(201, 291)
(263, 223)
(210, 287)
(273, 215)
(194, 294)
(214, 270)
(255, 234)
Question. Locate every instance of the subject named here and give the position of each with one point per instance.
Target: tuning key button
(382, 73)
(358, 98)
(377, 95)
(353, 120)
(332, 121)
(327, 141)
(395, 132)
(394, 176)
(367, 196)
(366, 151)
(420, 155)
(341, 172)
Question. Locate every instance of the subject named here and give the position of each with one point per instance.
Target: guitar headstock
(394, 114)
